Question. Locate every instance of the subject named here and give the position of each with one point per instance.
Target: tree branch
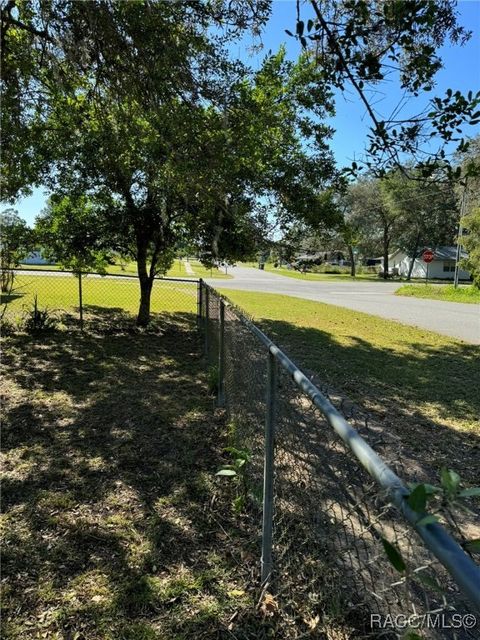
(334, 44)
(9, 21)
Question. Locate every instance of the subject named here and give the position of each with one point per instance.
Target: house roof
(448, 253)
(441, 253)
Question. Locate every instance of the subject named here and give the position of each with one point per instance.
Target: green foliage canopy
(71, 232)
(175, 141)
(471, 242)
(16, 242)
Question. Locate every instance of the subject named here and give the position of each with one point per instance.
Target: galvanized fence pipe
(80, 299)
(447, 551)
(199, 303)
(221, 356)
(206, 321)
(450, 554)
(268, 472)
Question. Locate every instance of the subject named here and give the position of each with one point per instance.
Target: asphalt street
(452, 319)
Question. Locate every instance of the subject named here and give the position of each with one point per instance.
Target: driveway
(453, 319)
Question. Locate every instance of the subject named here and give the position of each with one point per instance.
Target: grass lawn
(114, 525)
(418, 385)
(447, 292)
(292, 273)
(60, 293)
(334, 277)
(203, 272)
(177, 270)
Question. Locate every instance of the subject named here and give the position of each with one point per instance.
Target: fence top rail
(451, 555)
(104, 275)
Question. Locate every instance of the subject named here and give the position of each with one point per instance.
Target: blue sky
(461, 72)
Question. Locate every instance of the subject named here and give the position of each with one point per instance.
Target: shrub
(329, 268)
(37, 319)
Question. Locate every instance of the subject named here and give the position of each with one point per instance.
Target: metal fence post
(268, 469)
(80, 299)
(221, 356)
(206, 321)
(199, 303)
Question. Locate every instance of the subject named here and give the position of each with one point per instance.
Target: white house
(441, 267)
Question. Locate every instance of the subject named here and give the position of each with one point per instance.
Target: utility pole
(463, 207)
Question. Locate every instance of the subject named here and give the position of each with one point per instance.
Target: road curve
(454, 319)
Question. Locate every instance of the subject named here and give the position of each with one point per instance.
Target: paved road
(448, 318)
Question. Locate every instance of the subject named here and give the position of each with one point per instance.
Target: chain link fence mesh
(245, 393)
(331, 520)
(103, 298)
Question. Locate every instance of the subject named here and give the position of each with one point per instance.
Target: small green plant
(7, 327)
(444, 501)
(236, 471)
(212, 380)
(37, 319)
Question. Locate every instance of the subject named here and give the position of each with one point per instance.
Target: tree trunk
(352, 260)
(143, 317)
(6, 281)
(146, 283)
(386, 243)
(413, 257)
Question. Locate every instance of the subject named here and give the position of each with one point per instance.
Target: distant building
(442, 266)
(36, 258)
(334, 257)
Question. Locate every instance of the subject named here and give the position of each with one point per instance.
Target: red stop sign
(428, 255)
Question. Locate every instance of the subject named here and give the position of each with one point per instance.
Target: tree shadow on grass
(111, 445)
(330, 516)
(110, 448)
(6, 298)
(424, 397)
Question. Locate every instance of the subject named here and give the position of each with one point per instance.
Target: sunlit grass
(177, 270)
(293, 273)
(447, 292)
(202, 272)
(374, 359)
(62, 293)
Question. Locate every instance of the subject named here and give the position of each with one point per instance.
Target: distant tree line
(402, 210)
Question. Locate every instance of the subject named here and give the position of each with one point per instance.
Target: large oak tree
(138, 106)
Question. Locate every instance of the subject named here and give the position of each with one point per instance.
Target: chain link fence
(339, 536)
(341, 548)
(92, 299)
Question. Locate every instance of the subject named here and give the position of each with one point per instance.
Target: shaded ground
(114, 524)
